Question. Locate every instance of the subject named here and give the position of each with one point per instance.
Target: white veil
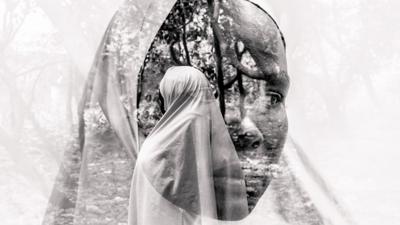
(343, 107)
(77, 196)
(187, 170)
(136, 24)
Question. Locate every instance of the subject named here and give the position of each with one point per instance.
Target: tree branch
(41, 67)
(214, 7)
(230, 82)
(242, 91)
(237, 77)
(174, 57)
(184, 34)
(228, 52)
(236, 62)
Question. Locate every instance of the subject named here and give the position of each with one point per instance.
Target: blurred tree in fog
(39, 73)
(20, 85)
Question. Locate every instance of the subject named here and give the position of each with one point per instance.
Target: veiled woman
(187, 171)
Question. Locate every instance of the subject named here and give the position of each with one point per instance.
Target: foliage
(168, 49)
(188, 37)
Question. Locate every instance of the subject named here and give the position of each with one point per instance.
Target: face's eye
(273, 98)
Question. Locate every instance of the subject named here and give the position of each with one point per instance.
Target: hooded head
(189, 157)
(182, 83)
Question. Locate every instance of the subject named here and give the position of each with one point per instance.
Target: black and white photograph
(199, 112)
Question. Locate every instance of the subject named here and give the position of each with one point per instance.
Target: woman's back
(189, 158)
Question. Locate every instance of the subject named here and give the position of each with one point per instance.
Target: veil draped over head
(93, 180)
(187, 168)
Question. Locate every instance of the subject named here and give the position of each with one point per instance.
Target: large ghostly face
(254, 73)
(261, 133)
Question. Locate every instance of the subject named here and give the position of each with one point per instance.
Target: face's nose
(250, 137)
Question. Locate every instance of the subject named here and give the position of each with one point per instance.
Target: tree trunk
(213, 7)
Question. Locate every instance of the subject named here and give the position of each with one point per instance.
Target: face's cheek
(275, 131)
(269, 119)
(273, 124)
